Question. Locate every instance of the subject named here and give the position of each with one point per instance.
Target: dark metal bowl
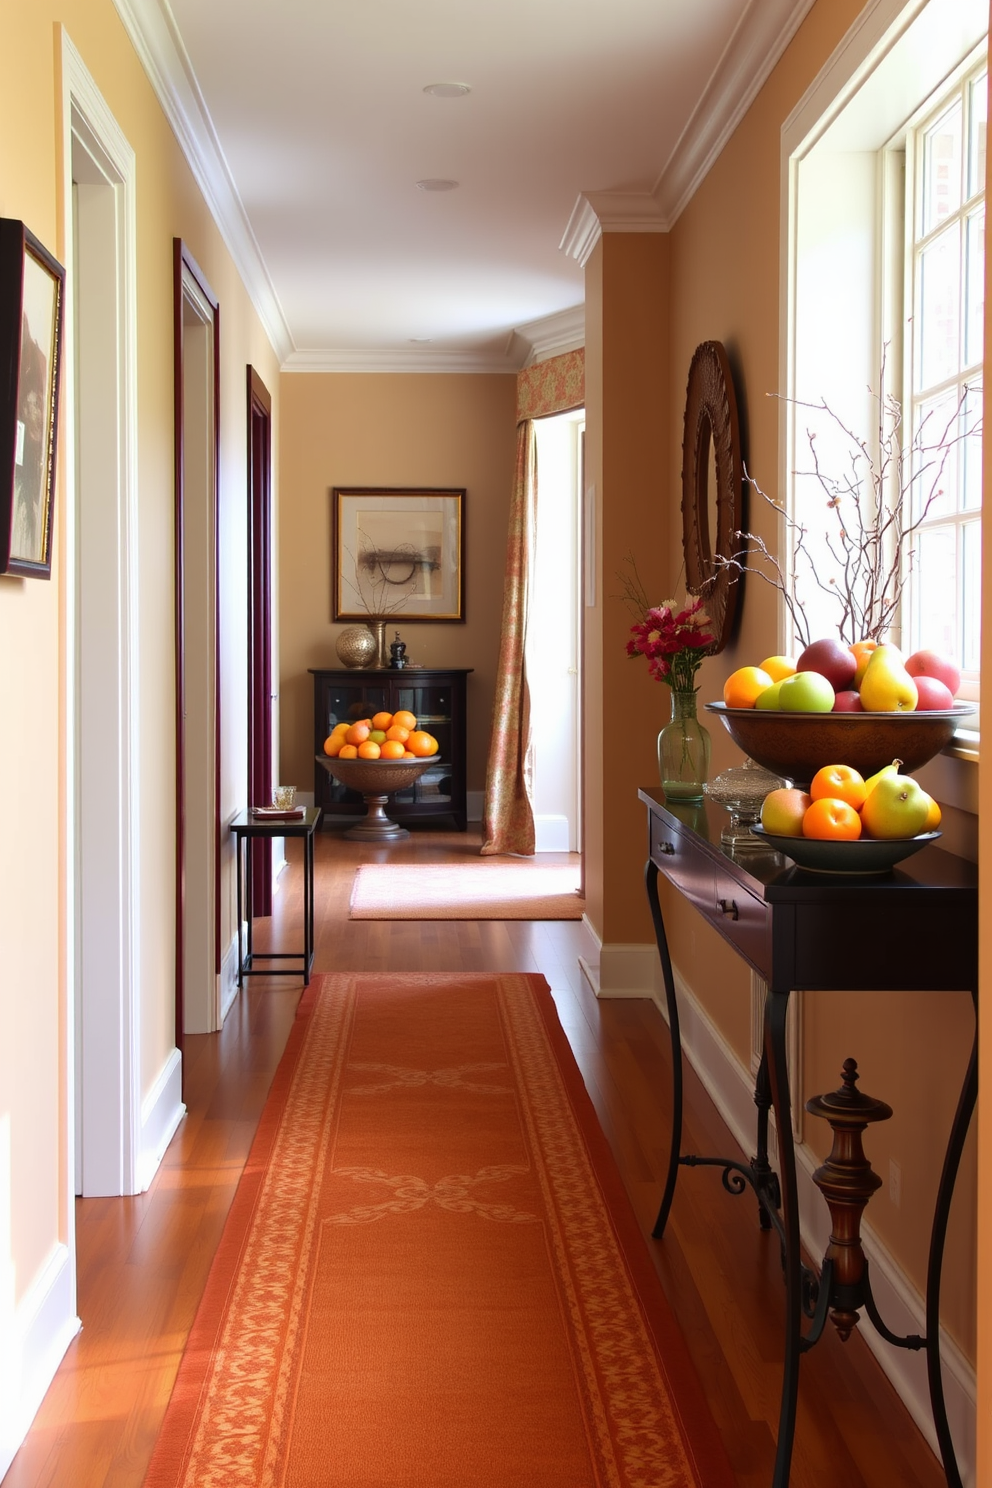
(376, 777)
(796, 745)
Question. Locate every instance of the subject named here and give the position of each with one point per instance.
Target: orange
(421, 744)
(743, 686)
(382, 721)
(405, 719)
(831, 820)
(862, 652)
(839, 783)
(933, 817)
(408, 754)
(358, 733)
(396, 732)
(368, 750)
(348, 751)
(332, 743)
(779, 667)
(392, 749)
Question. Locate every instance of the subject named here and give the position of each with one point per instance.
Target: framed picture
(32, 289)
(398, 553)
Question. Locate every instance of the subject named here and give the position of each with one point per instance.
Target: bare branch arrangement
(875, 509)
(380, 593)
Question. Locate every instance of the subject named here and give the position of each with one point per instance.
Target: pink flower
(673, 640)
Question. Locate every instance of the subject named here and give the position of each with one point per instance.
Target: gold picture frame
(398, 552)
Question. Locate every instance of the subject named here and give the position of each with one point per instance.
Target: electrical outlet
(895, 1182)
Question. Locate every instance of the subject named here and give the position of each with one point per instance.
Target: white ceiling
(309, 128)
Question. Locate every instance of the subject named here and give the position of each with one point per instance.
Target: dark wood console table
(782, 921)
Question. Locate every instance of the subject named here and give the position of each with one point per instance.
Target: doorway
(553, 659)
(260, 695)
(197, 665)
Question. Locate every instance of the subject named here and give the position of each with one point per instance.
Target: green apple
(897, 807)
(806, 692)
(769, 698)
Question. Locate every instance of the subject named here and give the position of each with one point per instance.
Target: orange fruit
(778, 667)
(862, 652)
(933, 817)
(392, 749)
(332, 744)
(358, 733)
(382, 721)
(743, 686)
(839, 783)
(421, 744)
(368, 750)
(405, 719)
(831, 820)
(348, 751)
(408, 754)
(397, 732)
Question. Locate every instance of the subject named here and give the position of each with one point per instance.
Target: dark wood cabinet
(436, 698)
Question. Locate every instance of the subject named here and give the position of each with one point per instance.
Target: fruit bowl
(866, 855)
(796, 745)
(376, 780)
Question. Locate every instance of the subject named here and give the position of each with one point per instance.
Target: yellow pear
(872, 780)
(886, 686)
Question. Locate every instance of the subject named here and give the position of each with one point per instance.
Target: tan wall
(34, 1119)
(403, 430)
(721, 267)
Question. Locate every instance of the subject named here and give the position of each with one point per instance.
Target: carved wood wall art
(711, 449)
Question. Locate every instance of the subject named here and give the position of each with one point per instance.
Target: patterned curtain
(554, 386)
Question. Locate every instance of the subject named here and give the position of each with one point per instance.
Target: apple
(896, 807)
(769, 697)
(933, 664)
(932, 693)
(782, 811)
(848, 702)
(832, 659)
(806, 692)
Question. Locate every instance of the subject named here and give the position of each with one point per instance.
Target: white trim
(551, 834)
(43, 1326)
(551, 336)
(155, 37)
(626, 970)
(229, 965)
(392, 359)
(161, 1113)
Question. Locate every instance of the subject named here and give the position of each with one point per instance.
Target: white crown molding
(155, 37)
(417, 359)
(551, 336)
(762, 35)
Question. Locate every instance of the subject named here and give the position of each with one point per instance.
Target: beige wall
(717, 276)
(402, 430)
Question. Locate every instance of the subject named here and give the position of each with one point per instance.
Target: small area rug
(431, 1276)
(474, 890)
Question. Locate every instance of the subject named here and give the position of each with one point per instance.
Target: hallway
(143, 1262)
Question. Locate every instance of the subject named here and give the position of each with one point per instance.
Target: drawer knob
(667, 848)
(728, 907)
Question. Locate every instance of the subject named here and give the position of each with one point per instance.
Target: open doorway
(554, 661)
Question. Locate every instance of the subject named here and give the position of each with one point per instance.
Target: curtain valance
(554, 386)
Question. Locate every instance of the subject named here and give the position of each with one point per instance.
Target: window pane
(938, 309)
(935, 470)
(942, 168)
(971, 449)
(972, 594)
(974, 311)
(935, 588)
(979, 112)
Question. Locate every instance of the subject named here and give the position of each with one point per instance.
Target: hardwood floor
(142, 1262)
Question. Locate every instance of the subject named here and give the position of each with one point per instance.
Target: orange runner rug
(431, 1276)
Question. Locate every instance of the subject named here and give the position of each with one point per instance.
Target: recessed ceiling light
(434, 183)
(447, 90)
(421, 340)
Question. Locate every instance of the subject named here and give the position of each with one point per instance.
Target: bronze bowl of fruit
(376, 777)
(796, 745)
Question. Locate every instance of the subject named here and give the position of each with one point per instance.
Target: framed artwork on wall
(398, 552)
(32, 290)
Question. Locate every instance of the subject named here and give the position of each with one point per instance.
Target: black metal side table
(246, 828)
(782, 921)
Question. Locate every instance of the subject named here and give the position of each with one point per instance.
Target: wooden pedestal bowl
(376, 780)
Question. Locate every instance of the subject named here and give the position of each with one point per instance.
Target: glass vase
(683, 750)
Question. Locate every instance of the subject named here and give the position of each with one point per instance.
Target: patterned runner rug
(483, 889)
(431, 1276)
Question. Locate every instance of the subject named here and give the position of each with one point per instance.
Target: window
(945, 310)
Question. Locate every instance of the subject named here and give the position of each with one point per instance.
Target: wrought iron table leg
(307, 907)
(938, 1235)
(776, 1006)
(239, 866)
(651, 882)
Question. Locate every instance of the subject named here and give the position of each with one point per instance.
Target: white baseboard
(229, 973)
(551, 834)
(161, 1112)
(624, 971)
(730, 1086)
(31, 1349)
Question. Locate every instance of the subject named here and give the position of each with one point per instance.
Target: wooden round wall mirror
(711, 486)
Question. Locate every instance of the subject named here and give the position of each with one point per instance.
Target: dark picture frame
(32, 295)
(398, 552)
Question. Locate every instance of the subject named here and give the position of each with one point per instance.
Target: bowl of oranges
(380, 754)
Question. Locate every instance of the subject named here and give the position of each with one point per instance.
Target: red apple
(932, 664)
(932, 693)
(847, 702)
(832, 659)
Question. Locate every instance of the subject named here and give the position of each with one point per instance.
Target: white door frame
(101, 641)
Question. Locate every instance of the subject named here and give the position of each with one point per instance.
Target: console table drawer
(740, 917)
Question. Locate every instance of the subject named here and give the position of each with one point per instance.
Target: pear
(872, 780)
(897, 807)
(886, 686)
